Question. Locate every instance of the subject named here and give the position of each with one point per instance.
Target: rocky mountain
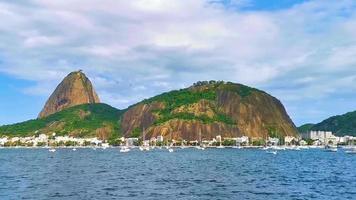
(340, 125)
(208, 109)
(75, 89)
(86, 120)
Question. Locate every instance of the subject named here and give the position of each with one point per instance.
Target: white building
(160, 138)
(319, 135)
(3, 141)
(242, 140)
(218, 138)
(290, 140)
(131, 141)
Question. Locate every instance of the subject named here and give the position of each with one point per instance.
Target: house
(290, 140)
(244, 140)
(160, 138)
(3, 141)
(218, 138)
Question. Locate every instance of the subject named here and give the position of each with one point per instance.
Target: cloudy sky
(302, 52)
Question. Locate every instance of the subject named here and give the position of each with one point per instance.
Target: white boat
(266, 148)
(52, 150)
(200, 147)
(170, 150)
(144, 148)
(351, 151)
(105, 145)
(124, 149)
(331, 148)
(74, 149)
(272, 152)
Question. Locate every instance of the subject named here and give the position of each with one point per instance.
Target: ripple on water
(186, 174)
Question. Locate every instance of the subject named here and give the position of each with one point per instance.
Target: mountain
(209, 109)
(75, 89)
(87, 120)
(340, 125)
(305, 128)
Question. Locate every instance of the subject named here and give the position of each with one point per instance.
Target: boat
(266, 148)
(351, 151)
(124, 149)
(331, 148)
(52, 150)
(144, 148)
(74, 149)
(200, 147)
(272, 152)
(351, 148)
(170, 150)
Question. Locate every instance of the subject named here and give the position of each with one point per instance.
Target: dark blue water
(183, 174)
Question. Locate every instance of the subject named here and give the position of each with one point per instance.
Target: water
(183, 174)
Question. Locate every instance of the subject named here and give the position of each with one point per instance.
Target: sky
(301, 51)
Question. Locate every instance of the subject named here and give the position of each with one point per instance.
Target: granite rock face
(75, 89)
(210, 109)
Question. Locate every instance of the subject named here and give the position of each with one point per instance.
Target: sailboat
(200, 147)
(170, 149)
(144, 147)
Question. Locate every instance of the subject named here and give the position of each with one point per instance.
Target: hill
(209, 109)
(305, 128)
(340, 125)
(86, 120)
(75, 89)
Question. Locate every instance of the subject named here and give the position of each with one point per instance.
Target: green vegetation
(229, 143)
(189, 116)
(81, 121)
(273, 131)
(259, 142)
(177, 98)
(340, 125)
(136, 133)
(241, 90)
(305, 128)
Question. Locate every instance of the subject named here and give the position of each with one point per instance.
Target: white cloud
(152, 46)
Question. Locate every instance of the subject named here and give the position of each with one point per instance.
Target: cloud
(136, 49)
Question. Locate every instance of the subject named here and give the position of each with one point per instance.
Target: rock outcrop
(75, 89)
(210, 109)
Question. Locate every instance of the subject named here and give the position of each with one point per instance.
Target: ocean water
(183, 174)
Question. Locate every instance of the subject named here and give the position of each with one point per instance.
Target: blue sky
(302, 52)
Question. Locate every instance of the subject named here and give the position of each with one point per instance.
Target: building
(290, 140)
(160, 138)
(218, 138)
(244, 140)
(131, 141)
(3, 141)
(324, 137)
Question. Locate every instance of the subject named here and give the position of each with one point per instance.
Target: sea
(183, 174)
